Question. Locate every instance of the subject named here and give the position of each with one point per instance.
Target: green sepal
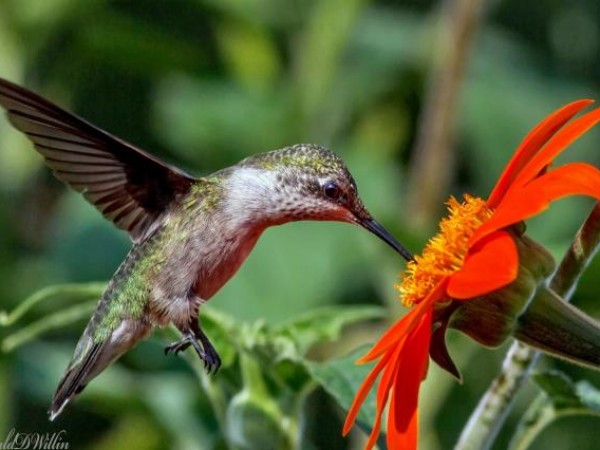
(556, 327)
(492, 318)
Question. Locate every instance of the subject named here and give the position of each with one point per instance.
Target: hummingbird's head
(303, 182)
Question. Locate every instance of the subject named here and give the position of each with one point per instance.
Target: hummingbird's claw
(179, 346)
(212, 362)
(204, 349)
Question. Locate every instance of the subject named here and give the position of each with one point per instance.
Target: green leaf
(341, 378)
(281, 350)
(560, 398)
(325, 324)
(589, 395)
(559, 388)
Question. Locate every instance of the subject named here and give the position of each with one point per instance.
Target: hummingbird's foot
(178, 346)
(204, 349)
(212, 361)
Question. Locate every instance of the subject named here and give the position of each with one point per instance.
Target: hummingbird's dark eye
(332, 190)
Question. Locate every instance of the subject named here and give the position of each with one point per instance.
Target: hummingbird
(190, 234)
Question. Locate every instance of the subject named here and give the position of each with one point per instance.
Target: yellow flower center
(445, 253)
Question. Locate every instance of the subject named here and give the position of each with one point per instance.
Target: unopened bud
(254, 419)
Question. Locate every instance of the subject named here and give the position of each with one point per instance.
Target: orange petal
(394, 435)
(406, 324)
(375, 430)
(493, 265)
(525, 202)
(557, 144)
(531, 145)
(411, 370)
(396, 438)
(571, 179)
(363, 391)
(383, 393)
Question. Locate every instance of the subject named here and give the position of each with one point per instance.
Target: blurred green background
(203, 84)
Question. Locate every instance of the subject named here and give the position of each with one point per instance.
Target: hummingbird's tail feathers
(75, 380)
(95, 352)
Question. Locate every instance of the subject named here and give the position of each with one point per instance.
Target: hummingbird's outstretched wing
(127, 185)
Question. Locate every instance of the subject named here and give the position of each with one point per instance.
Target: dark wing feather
(127, 185)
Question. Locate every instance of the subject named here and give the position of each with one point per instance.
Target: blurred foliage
(560, 398)
(258, 399)
(204, 83)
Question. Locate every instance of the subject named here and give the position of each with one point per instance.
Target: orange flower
(473, 255)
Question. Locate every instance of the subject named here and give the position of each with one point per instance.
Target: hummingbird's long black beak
(377, 229)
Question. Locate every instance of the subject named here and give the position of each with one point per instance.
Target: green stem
(254, 381)
(78, 291)
(580, 253)
(434, 153)
(493, 408)
(252, 376)
(548, 415)
(50, 322)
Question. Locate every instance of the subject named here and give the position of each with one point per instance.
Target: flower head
(478, 252)
(446, 252)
